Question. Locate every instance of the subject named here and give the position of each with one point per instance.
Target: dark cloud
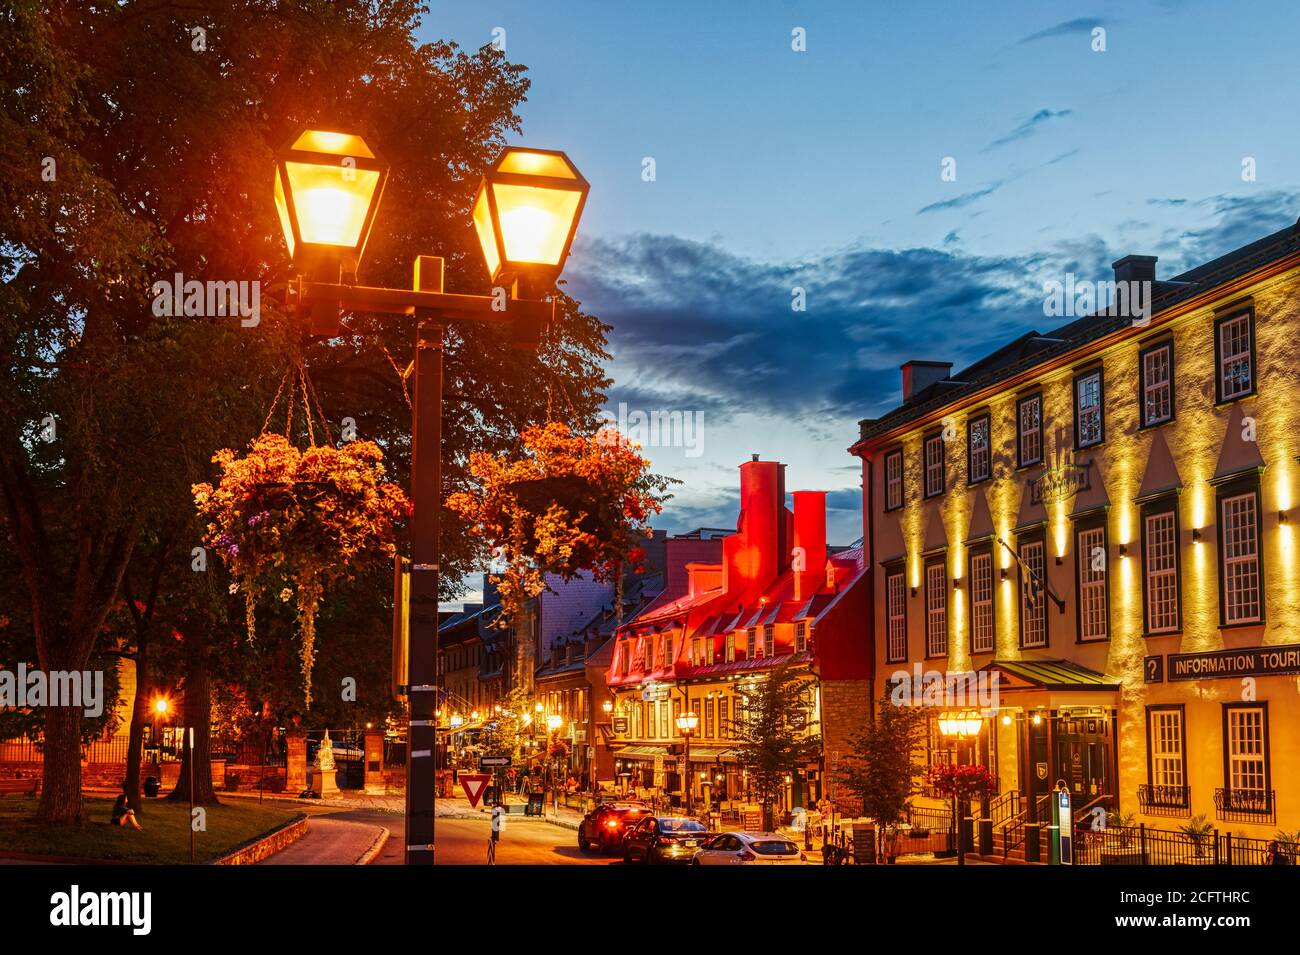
(698, 328)
(1080, 26)
(1028, 127)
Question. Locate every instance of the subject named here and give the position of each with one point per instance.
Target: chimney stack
(919, 375)
(1135, 276)
(810, 536)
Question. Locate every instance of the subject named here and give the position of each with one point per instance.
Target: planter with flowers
(567, 503)
(292, 523)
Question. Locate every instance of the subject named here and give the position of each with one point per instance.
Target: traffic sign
(474, 784)
(485, 761)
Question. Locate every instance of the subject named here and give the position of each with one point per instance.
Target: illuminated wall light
(1282, 517)
(1006, 719)
(1196, 535)
(1123, 551)
(1038, 719)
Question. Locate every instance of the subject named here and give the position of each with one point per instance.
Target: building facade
(1098, 524)
(776, 597)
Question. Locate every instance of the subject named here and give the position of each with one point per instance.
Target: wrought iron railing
(1165, 800)
(1139, 845)
(1245, 805)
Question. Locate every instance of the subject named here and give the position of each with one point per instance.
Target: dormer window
(730, 653)
(800, 637)
(769, 640)
(751, 643)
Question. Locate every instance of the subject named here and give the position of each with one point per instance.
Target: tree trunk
(61, 803)
(139, 717)
(198, 717)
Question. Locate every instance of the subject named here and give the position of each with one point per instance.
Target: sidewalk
(333, 842)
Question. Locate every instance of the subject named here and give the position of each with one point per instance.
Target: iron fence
(1140, 845)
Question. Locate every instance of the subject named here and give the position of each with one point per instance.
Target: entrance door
(1083, 757)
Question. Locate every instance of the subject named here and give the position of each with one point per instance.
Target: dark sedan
(605, 826)
(661, 839)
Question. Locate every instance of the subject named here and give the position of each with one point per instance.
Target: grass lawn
(166, 836)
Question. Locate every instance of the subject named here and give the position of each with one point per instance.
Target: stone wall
(846, 708)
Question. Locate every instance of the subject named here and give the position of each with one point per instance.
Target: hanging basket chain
(406, 394)
(270, 413)
(315, 399)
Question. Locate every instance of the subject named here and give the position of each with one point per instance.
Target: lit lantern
(327, 187)
(526, 213)
(687, 722)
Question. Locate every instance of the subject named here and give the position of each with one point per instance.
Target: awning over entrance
(641, 752)
(714, 755)
(1048, 674)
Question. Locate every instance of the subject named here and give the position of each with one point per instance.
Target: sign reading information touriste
(1221, 664)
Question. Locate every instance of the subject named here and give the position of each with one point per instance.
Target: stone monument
(323, 782)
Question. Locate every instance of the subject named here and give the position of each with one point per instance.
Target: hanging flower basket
(294, 523)
(962, 780)
(569, 503)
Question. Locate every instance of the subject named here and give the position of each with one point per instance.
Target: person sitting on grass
(124, 815)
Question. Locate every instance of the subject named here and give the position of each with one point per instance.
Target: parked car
(749, 848)
(664, 839)
(605, 826)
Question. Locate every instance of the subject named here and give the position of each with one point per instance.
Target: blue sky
(821, 170)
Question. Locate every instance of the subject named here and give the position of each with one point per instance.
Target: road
(464, 842)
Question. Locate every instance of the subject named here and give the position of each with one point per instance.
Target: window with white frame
(977, 444)
(1088, 425)
(1168, 765)
(730, 652)
(934, 465)
(1029, 430)
(893, 480)
(1033, 595)
(1234, 349)
(769, 640)
(981, 603)
(800, 637)
(724, 723)
(751, 643)
(1157, 384)
(896, 607)
(1091, 561)
(1247, 756)
(1239, 547)
(1160, 560)
(936, 609)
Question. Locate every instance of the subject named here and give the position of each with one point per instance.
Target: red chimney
(752, 557)
(809, 542)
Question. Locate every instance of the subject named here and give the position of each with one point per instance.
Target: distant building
(774, 595)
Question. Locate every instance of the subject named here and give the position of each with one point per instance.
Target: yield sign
(474, 784)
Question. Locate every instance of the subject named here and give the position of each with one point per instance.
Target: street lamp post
(957, 727)
(686, 724)
(327, 189)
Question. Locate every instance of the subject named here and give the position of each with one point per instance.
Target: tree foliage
(138, 145)
(880, 766)
(770, 731)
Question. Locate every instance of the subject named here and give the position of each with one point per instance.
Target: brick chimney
(810, 535)
(918, 375)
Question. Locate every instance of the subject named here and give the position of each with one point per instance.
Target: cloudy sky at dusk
(777, 169)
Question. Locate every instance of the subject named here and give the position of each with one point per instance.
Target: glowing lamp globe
(687, 722)
(327, 187)
(526, 212)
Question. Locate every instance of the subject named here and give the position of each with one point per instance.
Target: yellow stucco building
(1099, 522)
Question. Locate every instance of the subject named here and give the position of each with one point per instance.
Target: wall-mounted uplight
(1060, 559)
(1282, 517)
(1196, 535)
(1123, 551)
(956, 583)
(1004, 574)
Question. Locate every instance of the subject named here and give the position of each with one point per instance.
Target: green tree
(880, 767)
(138, 144)
(770, 730)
